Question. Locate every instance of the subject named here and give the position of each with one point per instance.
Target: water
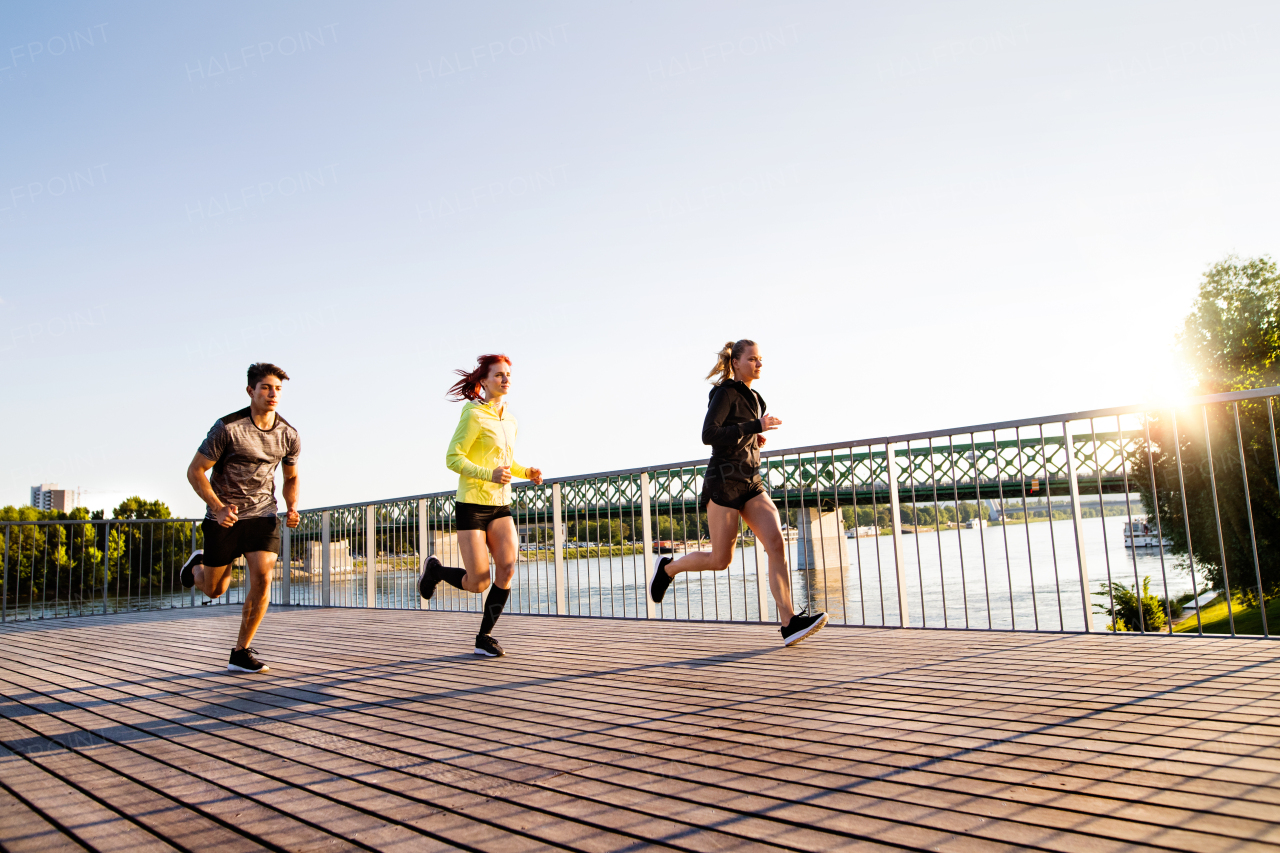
(1033, 584)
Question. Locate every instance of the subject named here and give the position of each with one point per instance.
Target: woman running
(732, 487)
(481, 452)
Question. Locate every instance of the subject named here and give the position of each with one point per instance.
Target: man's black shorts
(479, 516)
(224, 544)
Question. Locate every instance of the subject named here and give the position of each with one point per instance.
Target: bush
(1127, 612)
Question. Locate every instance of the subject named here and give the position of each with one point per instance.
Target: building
(49, 496)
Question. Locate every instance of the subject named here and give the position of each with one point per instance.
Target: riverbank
(1248, 620)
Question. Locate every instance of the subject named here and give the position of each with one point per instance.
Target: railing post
(895, 518)
(371, 555)
(1077, 524)
(286, 557)
(191, 593)
(324, 558)
(423, 544)
(646, 514)
(106, 561)
(4, 579)
(557, 532)
(762, 579)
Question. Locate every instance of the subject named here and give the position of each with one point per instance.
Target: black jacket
(731, 427)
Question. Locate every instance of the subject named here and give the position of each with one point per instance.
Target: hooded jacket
(484, 440)
(731, 426)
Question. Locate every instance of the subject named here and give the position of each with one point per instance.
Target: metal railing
(1017, 525)
(80, 567)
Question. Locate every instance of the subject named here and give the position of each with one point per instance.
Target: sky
(927, 214)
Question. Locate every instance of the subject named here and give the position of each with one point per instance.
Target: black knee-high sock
(451, 575)
(493, 608)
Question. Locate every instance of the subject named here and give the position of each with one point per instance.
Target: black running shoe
(188, 575)
(246, 660)
(428, 579)
(488, 647)
(661, 580)
(802, 625)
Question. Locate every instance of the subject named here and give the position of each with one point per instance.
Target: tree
(1230, 342)
(136, 507)
(1231, 339)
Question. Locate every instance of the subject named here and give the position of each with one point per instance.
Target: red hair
(468, 387)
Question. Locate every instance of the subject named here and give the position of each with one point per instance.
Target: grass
(1248, 620)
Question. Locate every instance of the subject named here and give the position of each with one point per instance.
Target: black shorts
(479, 516)
(730, 495)
(224, 544)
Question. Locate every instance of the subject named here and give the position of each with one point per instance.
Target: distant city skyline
(928, 215)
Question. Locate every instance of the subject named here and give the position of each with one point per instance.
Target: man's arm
(290, 491)
(224, 514)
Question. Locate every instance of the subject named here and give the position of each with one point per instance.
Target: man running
(243, 449)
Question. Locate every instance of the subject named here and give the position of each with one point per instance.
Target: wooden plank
(1046, 742)
(655, 826)
(24, 830)
(82, 818)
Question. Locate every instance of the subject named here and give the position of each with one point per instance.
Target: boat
(1138, 534)
(975, 523)
(664, 546)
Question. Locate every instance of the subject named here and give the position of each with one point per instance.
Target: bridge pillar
(823, 556)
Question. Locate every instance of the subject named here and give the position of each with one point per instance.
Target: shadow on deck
(379, 730)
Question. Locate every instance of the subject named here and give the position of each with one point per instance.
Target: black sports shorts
(731, 495)
(479, 516)
(224, 544)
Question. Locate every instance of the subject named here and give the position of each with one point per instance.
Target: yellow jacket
(484, 440)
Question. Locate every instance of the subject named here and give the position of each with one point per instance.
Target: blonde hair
(723, 371)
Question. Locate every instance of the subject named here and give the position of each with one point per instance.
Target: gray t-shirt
(245, 459)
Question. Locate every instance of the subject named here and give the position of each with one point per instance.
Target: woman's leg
(723, 523)
(475, 559)
(503, 545)
(762, 517)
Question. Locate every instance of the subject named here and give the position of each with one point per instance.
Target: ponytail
(723, 370)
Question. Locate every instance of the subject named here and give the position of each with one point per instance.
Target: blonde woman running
(481, 452)
(732, 489)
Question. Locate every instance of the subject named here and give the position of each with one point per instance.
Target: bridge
(618, 724)
(379, 731)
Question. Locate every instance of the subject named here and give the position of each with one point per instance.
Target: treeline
(72, 560)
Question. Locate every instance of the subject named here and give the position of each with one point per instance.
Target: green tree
(1230, 341)
(136, 507)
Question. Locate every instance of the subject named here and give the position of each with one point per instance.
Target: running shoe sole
(810, 631)
(188, 571)
(426, 568)
(485, 654)
(659, 566)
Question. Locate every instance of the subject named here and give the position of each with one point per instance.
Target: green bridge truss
(928, 471)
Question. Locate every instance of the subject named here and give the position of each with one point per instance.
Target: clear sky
(928, 214)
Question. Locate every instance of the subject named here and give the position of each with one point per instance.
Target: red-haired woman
(732, 488)
(482, 453)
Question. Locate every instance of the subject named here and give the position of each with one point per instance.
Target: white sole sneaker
(808, 632)
(196, 557)
(659, 565)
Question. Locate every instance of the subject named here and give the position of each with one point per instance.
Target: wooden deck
(378, 730)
